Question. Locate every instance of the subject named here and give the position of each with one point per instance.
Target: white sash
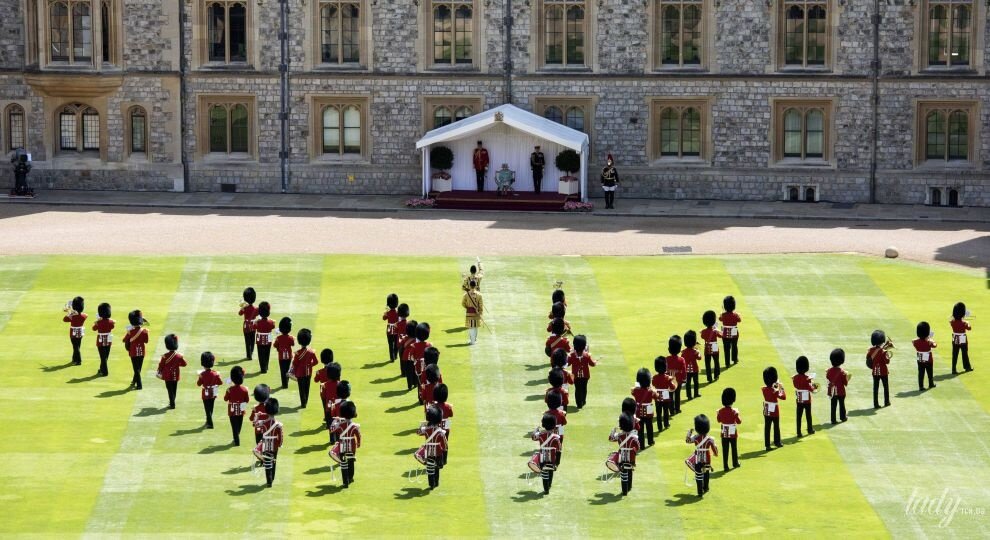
(268, 439)
(77, 331)
(803, 395)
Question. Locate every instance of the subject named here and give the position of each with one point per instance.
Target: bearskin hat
(660, 364)
(333, 371)
(690, 339)
(249, 295)
(837, 357)
(554, 400)
(431, 356)
(472, 284)
(432, 373)
(172, 342)
(271, 406)
(580, 343)
(702, 425)
(878, 338)
(344, 389)
(440, 393)
(556, 378)
(708, 318)
(326, 356)
(473, 269)
(433, 415)
(728, 396)
(348, 410)
(958, 311)
(558, 296)
(924, 330)
(802, 365)
(103, 310)
(135, 318)
(548, 421)
(558, 359)
(304, 337)
(770, 376)
(392, 300)
(558, 310)
(403, 311)
(557, 327)
(264, 310)
(237, 375)
(411, 326)
(729, 303)
(674, 345)
(285, 325)
(643, 378)
(629, 406)
(77, 304)
(207, 360)
(423, 331)
(262, 393)
(626, 422)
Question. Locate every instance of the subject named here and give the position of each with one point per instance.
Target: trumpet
(888, 348)
(557, 285)
(777, 386)
(68, 308)
(243, 304)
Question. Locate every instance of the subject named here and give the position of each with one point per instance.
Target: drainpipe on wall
(507, 21)
(183, 96)
(875, 102)
(283, 115)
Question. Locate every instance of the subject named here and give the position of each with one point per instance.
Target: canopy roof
(512, 116)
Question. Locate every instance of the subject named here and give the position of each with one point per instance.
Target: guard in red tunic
(804, 386)
(559, 311)
(630, 407)
(557, 339)
(103, 327)
(877, 361)
(773, 392)
(581, 363)
(391, 318)
(258, 414)
(76, 318)
(677, 368)
(348, 432)
(924, 348)
(263, 327)
(644, 394)
(431, 453)
(838, 378)
(544, 460)
(480, 162)
(431, 357)
(555, 406)
(711, 335)
(169, 366)
(558, 361)
(728, 417)
(730, 330)
(402, 316)
(623, 460)
(440, 396)
(666, 387)
(249, 312)
(237, 400)
(136, 342)
(271, 440)
(690, 356)
(210, 381)
(960, 341)
(283, 348)
(341, 394)
(329, 378)
(302, 365)
(704, 447)
(556, 379)
(407, 365)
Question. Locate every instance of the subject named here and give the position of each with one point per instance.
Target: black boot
(701, 488)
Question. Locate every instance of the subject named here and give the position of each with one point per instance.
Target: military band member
(677, 368)
(704, 447)
(431, 376)
(263, 327)
(480, 161)
(103, 327)
(440, 396)
(431, 357)
(630, 407)
(558, 311)
(710, 335)
(76, 318)
(271, 439)
(432, 451)
(624, 459)
(407, 363)
(249, 312)
(960, 341)
(557, 339)
(329, 378)
(136, 342)
(558, 361)
(348, 441)
(545, 461)
(476, 273)
(342, 395)
(537, 162)
(237, 400)
(283, 348)
(610, 181)
(555, 406)
(666, 387)
(402, 316)
(923, 347)
(302, 365)
(773, 392)
(557, 379)
(644, 394)
(474, 306)
(728, 417)
(690, 356)
(259, 415)
(730, 330)
(391, 318)
(418, 353)
(877, 361)
(209, 380)
(838, 378)
(581, 363)
(804, 385)
(169, 366)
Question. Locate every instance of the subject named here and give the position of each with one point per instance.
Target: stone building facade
(697, 99)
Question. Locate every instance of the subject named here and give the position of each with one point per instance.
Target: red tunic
(480, 159)
(328, 388)
(103, 327)
(704, 446)
(283, 345)
(729, 418)
(710, 337)
(644, 400)
(802, 388)
(237, 400)
(628, 440)
(170, 364)
(663, 382)
(400, 327)
(302, 364)
(210, 380)
(565, 397)
(391, 318)
(137, 339)
(836, 381)
(581, 365)
(263, 329)
(426, 392)
(548, 440)
(959, 328)
(690, 357)
(559, 415)
(677, 368)
(250, 313)
(416, 353)
(557, 342)
(273, 433)
(880, 361)
(349, 429)
(259, 417)
(770, 397)
(924, 350)
(440, 438)
(76, 323)
(730, 319)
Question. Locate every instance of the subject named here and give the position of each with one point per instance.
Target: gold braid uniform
(474, 306)
(476, 277)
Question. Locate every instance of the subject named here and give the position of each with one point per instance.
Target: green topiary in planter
(568, 161)
(441, 158)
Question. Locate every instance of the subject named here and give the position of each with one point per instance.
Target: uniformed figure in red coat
(329, 378)
(877, 361)
(728, 417)
(924, 348)
(263, 327)
(581, 363)
(630, 407)
(960, 341)
(676, 368)
(773, 392)
(302, 365)
(559, 311)
(272, 436)
(704, 447)
(136, 342)
(557, 339)
(804, 386)
(440, 396)
(690, 356)
(431, 453)
(555, 406)
(249, 312)
(418, 353)
(348, 434)
(210, 381)
(402, 316)
(558, 360)
(427, 382)
(406, 363)
(544, 460)
(644, 394)
(730, 330)
(103, 327)
(76, 318)
(258, 414)
(666, 386)
(556, 379)
(480, 162)
(342, 393)
(237, 400)
(710, 335)
(169, 366)
(623, 460)
(838, 378)
(283, 348)
(391, 318)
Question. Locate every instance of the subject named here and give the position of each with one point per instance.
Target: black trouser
(171, 387)
(257, 437)
(923, 368)
(537, 181)
(731, 347)
(393, 347)
(347, 469)
(480, 177)
(303, 391)
(609, 199)
(876, 391)
(76, 343)
(626, 476)
(270, 466)
(646, 425)
(547, 474)
(701, 473)
(208, 407)
(137, 362)
(409, 370)
(104, 356)
(965, 356)
(580, 391)
(727, 443)
(708, 366)
(248, 344)
(283, 369)
(663, 414)
(806, 409)
(677, 399)
(263, 352)
(840, 402)
(433, 471)
(235, 428)
(697, 390)
(767, 422)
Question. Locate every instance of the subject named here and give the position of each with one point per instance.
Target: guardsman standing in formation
(103, 326)
(283, 348)
(838, 378)
(728, 416)
(329, 378)
(923, 347)
(391, 318)
(710, 335)
(302, 365)
(169, 366)
(557, 339)
(704, 447)
(610, 181)
(476, 273)
(258, 414)
(432, 451)
(877, 360)
(210, 380)
(537, 162)
(474, 306)
(480, 161)
(544, 461)
(804, 385)
(263, 334)
(237, 400)
(666, 386)
(401, 322)
(76, 318)
(136, 341)
(623, 460)
(342, 393)
(249, 312)
(690, 356)
(581, 363)
(271, 440)
(730, 330)
(677, 368)
(960, 341)
(645, 395)
(344, 451)
(773, 392)
(407, 364)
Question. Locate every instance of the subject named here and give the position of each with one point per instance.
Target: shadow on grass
(863, 412)
(403, 408)
(312, 448)
(946, 376)
(604, 498)
(181, 432)
(526, 454)
(408, 493)
(302, 433)
(457, 345)
(536, 367)
(229, 363)
(325, 490)
(246, 489)
(319, 470)
(151, 411)
(405, 432)
(114, 393)
(406, 451)
(393, 393)
(456, 330)
(527, 495)
(376, 364)
(909, 393)
(288, 410)
(536, 382)
(755, 454)
(238, 470)
(218, 448)
(50, 369)
(84, 379)
(388, 380)
(252, 375)
(536, 397)
(682, 499)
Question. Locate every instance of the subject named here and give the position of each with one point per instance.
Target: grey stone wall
(395, 33)
(896, 37)
(145, 47)
(742, 38)
(622, 37)
(11, 34)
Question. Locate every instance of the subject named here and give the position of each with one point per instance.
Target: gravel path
(38, 229)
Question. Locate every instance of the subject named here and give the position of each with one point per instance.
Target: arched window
(226, 29)
(78, 128)
(574, 118)
(680, 32)
(947, 134)
(229, 128)
(453, 32)
(564, 28)
(138, 123)
(106, 47)
(680, 132)
(554, 114)
(340, 30)
(441, 117)
(950, 31)
(342, 129)
(16, 127)
(803, 131)
(462, 112)
(805, 36)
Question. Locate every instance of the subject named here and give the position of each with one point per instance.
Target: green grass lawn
(88, 457)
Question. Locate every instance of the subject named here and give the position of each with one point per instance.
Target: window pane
(938, 35)
(91, 130)
(670, 38)
(816, 36)
(794, 36)
(238, 128)
(82, 33)
(238, 34)
(960, 35)
(352, 130)
(59, 20)
(137, 131)
(935, 136)
(217, 30)
(107, 29)
(792, 133)
(575, 36)
(441, 117)
(331, 130)
(816, 134)
(462, 113)
(442, 34)
(575, 118)
(330, 21)
(462, 35)
(15, 128)
(669, 133)
(691, 133)
(67, 131)
(692, 35)
(554, 114)
(958, 135)
(350, 33)
(218, 129)
(554, 28)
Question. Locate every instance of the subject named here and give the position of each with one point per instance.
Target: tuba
(888, 348)
(68, 309)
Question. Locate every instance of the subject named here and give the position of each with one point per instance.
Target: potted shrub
(569, 162)
(441, 158)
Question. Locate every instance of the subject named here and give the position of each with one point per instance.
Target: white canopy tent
(509, 133)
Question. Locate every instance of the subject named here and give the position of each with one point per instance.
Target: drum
(612, 462)
(425, 452)
(690, 462)
(258, 453)
(335, 453)
(534, 464)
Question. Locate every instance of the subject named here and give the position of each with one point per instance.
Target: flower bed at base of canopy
(577, 206)
(421, 203)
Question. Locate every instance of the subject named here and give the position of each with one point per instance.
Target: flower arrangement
(421, 203)
(577, 206)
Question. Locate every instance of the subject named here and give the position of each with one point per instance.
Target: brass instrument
(243, 304)
(68, 309)
(557, 285)
(888, 348)
(777, 387)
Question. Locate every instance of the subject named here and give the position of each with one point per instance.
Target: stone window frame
(80, 111)
(976, 43)
(365, 41)
(114, 45)
(317, 103)
(779, 106)
(923, 108)
(589, 28)
(31, 30)
(426, 56)
(431, 103)
(657, 104)
(40, 39)
(8, 135)
(779, 36)
(129, 111)
(201, 38)
(204, 102)
(708, 24)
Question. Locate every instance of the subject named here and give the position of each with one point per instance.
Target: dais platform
(513, 200)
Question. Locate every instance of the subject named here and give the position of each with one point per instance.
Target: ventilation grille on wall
(801, 193)
(942, 196)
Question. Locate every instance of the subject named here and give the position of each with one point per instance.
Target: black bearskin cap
(207, 360)
(708, 318)
(440, 393)
(262, 393)
(135, 318)
(728, 396)
(660, 364)
(558, 359)
(423, 331)
(103, 310)
(285, 325)
(77, 304)
(629, 406)
(237, 375)
(264, 310)
(403, 310)
(333, 371)
(172, 342)
(557, 327)
(557, 296)
(643, 378)
(249, 295)
(729, 303)
(348, 410)
(392, 300)
(690, 339)
(554, 400)
(770, 376)
(304, 337)
(626, 422)
(580, 343)
(958, 310)
(271, 406)
(924, 330)
(878, 338)
(674, 345)
(558, 310)
(433, 415)
(432, 372)
(344, 389)
(837, 357)
(548, 421)
(474, 269)
(431, 355)
(556, 378)
(326, 356)
(411, 326)
(802, 365)
(702, 425)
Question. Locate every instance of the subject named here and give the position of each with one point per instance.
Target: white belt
(665, 394)
(728, 430)
(924, 357)
(714, 346)
(803, 395)
(729, 331)
(771, 406)
(959, 339)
